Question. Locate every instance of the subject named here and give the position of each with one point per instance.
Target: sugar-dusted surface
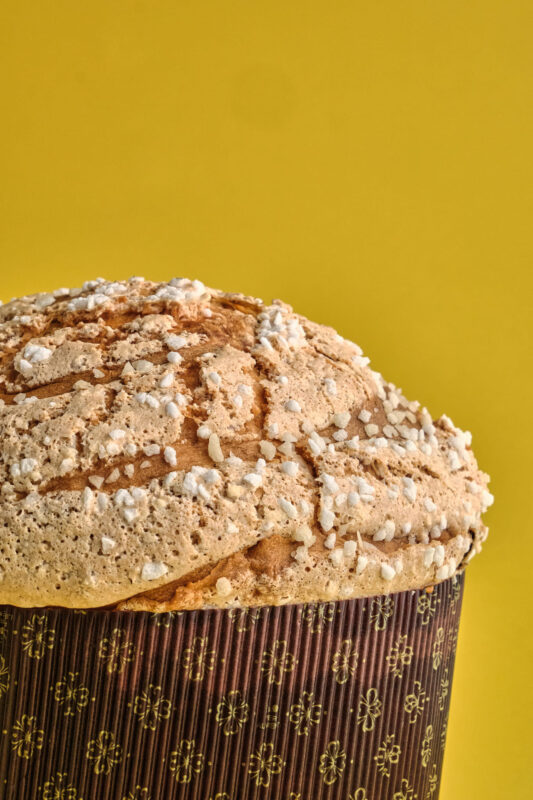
(156, 438)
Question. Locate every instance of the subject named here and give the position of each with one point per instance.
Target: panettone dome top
(155, 434)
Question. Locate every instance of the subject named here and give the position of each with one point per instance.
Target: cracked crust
(169, 446)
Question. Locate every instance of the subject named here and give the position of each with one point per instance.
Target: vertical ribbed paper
(346, 700)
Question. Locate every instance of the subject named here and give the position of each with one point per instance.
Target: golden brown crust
(268, 574)
(168, 445)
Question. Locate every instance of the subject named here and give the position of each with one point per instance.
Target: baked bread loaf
(169, 446)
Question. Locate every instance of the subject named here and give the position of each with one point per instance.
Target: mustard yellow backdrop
(369, 162)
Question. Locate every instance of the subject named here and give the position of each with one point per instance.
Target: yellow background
(370, 163)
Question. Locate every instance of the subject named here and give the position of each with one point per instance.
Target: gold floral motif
(57, 787)
(150, 706)
(455, 593)
(400, 656)
(453, 633)
(232, 712)
(444, 689)
(37, 636)
(388, 754)
(295, 796)
(163, 619)
(344, 661)
(414, 702)
(116, 650)
(437, 648)
(318, 615)
(425, 751)
(4, 677)
(220, 796)
(332, 763)
(263, 764)
(276, 662)
(137, 794)
(71, 694)
(426, 606)
(432, 782)
(104, 752)
(405, 792)
(443, 732)
(369, 710)
(244, 618)
(359, 794)
(305, 713)
(26, 737)
(381, 611)
(186, 761)
(198, 658)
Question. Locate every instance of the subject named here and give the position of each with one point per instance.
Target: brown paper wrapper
(332, 700)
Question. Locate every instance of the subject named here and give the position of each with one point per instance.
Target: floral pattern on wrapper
(5, 678)
(382, 610)
(198, 659)
(186, 761)
(318, 616)
(150, 707)
(104, 752)
(369, 710)
(26, 737)
(37, 636)
(332, 763)
(139, 793)
(276, 662)
(70, 694)
(232, 712)
(58, 787)
(278, 702)
(344, 661)
(264, 764)
(116, 651)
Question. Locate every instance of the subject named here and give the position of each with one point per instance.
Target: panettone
(169, 446)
